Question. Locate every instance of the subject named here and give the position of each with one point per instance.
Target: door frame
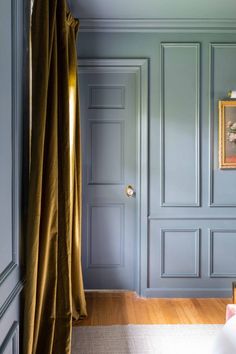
(140, 66)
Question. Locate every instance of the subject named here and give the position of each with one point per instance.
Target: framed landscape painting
(227, 134)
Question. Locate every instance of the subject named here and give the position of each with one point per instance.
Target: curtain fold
(54, 285)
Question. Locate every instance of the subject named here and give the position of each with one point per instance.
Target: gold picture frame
(227, 134)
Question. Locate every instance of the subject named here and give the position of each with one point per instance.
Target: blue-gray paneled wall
(166, 10)
(190, 245)
(11, 105)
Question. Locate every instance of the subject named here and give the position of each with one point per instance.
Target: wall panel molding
(196, 273)
(12, 338)
(212, 126)
(196, 201)
(7, 303)
(212, 260)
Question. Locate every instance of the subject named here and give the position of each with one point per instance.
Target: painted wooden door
(11, 40)
(110, 112)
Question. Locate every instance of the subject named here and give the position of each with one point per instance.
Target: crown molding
(157, 25)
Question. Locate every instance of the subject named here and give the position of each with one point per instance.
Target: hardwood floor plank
(109, 308)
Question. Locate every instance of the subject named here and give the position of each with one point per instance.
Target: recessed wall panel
(107, 152)
(222, 246)
(223, 78)
(180, 124)
(106, 96)
(179, 253)
(106, 231)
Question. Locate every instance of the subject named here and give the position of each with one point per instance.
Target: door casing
(141, 67)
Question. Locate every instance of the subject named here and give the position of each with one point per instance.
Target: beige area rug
(142, 339)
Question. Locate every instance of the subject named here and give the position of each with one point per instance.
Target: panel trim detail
(212, 48)
(109, 87)
(12, 336)
(89, 240)
(196, 202)
(91, 180)
(213, 274)
(196, 274)
(15, 292)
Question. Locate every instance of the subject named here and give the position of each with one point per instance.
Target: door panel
(107, 152)
(100, 232)
(109, 110)
(11, 39)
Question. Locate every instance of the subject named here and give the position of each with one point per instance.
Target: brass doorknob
(130, 192)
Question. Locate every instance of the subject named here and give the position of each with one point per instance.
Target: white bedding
(225, 342)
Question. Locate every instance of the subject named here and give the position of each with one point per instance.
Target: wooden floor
(126, 308)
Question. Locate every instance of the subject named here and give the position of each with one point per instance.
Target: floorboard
(109, 308)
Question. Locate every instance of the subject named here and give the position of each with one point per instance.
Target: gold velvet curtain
(54, 286)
